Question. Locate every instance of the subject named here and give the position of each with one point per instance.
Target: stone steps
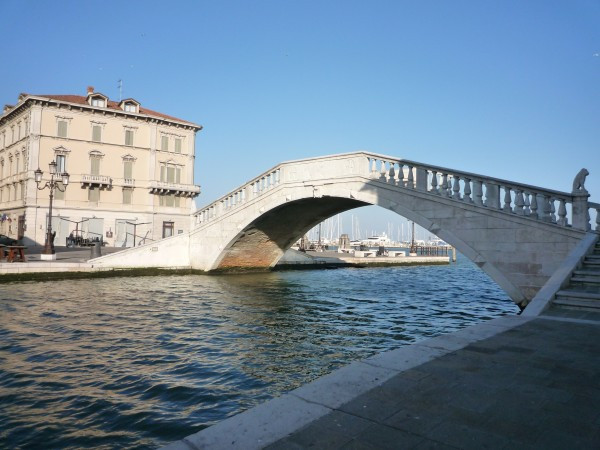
(583, 291)
(577, 303)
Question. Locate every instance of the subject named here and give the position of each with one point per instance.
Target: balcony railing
(96, 180)
(165, 188)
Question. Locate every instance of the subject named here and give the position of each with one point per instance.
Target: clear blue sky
(503, 88)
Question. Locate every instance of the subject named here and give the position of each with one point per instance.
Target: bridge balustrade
(520, 199)
(559, 208)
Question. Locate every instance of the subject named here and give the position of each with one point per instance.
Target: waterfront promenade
(512, 382)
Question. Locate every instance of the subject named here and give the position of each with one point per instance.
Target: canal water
(140, 362)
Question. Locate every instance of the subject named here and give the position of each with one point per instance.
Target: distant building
(131, 169)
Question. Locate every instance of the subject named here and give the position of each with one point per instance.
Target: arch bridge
(517, 233)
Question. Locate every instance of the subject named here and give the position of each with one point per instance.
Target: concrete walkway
(513, 382)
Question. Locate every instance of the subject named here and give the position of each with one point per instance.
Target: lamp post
(56, 179)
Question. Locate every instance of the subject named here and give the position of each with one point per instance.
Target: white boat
(376, 240)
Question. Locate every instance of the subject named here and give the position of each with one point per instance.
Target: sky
(509, 89)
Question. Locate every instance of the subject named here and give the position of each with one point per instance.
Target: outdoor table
(16, 251)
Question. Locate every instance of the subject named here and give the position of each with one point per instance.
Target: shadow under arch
(263, 241)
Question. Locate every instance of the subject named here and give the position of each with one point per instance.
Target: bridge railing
(560, 208)
(254, 188)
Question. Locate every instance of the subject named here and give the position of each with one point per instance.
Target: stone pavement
(534, 383)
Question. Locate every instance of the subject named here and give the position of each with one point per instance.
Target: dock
(294, 259)
(511, 382)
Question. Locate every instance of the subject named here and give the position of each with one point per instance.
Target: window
(170, 174)
(19, 133)
(127, 195)
(58, 194)
(98, 102)
(128, 169)
(94, 195)
(61, 163)
(62, 129)
(15, 191)
(96, 133)
(22, 189)
(95, 165)
(129, 137)
(130, 107)
(168, 229)
(164, 143)
(177, 145)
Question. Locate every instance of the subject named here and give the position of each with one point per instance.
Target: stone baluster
(401, 181)
(467, 191)
(278, 176)
(456, 187)
(598, 219)
(526, 204)
(534, 206)
(392, 174)
(421, 181)
(411, 179)
(552, 210)
(444, 192)
(507, 200)
(383, 172)
(519, 203)
(562, 213)
(373, 168)
(434, 183)
(477, 192)
(545, 209)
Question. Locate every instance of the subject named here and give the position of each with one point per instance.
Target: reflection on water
(139, 362)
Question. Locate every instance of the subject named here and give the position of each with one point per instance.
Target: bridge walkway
(513, 382)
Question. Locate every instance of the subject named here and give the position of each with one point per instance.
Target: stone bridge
(517, 233)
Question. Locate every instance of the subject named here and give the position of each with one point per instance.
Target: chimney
(90, 90)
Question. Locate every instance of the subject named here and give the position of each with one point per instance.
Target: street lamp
(56, 179)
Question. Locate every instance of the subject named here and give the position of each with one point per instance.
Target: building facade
(131, 170)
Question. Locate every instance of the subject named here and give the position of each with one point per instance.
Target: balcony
(128, 182)
(165, 188)
(101, 181)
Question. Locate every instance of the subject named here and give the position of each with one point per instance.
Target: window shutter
(95, 166)
(96, 133)
(164, 143)
(62, 128)
(127, 169)
(129, 137)
(170, 174)
(178, 145)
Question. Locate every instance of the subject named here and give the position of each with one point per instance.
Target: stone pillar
(581, 218)
(421, 179)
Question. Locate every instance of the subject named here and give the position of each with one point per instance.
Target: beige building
(131, 169)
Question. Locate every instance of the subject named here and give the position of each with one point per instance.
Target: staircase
(583, 291)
